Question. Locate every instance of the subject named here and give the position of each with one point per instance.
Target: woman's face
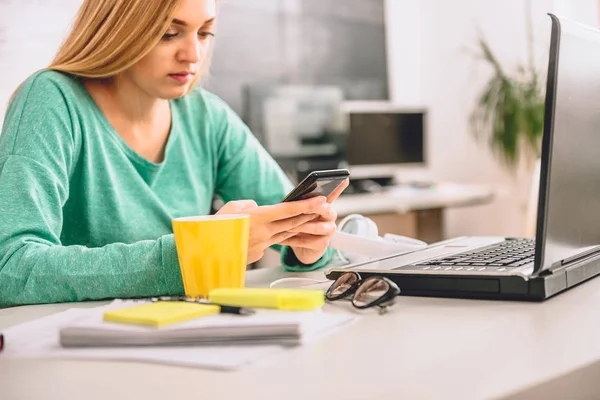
(169, 69)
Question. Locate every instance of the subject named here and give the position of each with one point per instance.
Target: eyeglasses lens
(370, 291)
(342, 285)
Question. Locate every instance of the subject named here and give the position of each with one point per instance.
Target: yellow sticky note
(160, 313)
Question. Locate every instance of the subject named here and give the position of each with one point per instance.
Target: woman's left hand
(312, 238)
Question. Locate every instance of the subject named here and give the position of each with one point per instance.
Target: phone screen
(321, 187)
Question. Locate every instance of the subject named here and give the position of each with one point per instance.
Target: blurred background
(404, 93)
(392, 89)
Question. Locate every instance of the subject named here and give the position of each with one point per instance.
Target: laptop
(566, 248)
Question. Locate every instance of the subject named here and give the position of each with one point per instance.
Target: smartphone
(318, 183)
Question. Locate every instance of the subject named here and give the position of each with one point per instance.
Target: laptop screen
(568, 222)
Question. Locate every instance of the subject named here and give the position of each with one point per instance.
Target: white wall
(30, 34)
(427, 43)
(584, 11)
(404, 35)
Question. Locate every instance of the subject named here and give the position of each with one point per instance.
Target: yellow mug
(212, 252)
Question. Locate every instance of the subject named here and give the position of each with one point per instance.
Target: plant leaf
(509, 111)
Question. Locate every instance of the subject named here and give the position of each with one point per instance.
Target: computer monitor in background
(295, 121)
(382, 140)
(301, 126)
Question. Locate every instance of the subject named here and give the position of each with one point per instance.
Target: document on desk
(41, 339)
(286, 328)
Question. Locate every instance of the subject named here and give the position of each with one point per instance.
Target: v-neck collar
(132, 154)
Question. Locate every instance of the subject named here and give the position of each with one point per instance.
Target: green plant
(510, 109)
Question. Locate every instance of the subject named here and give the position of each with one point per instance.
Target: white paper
(269, 327)
(40, 339)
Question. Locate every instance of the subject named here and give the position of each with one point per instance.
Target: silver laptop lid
(568, 222)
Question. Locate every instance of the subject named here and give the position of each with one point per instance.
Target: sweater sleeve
(38, 147)
(246, 170)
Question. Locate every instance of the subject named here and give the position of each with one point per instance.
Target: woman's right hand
(270, 225)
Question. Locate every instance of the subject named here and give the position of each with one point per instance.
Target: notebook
(287, 328)
(39, 339)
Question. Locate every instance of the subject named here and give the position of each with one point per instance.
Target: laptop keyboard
(498, 257)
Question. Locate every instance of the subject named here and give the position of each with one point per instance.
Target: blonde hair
(109, 36)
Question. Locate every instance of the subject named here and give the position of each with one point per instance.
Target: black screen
(385, 138)
(320, 187)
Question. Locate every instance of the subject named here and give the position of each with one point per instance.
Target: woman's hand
(274, 224)
(312, 238)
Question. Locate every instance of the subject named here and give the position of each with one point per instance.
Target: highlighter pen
(224, 308)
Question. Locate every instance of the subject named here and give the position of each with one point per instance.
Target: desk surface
(407, 198)
(423, 348)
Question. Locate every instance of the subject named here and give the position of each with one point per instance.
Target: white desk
(425, 348)
(404, 199)
(410, 211)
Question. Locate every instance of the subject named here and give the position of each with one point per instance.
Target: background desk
(405, 210)
(411, 211)
(425, 348)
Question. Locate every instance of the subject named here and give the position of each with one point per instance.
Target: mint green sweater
(84, 217)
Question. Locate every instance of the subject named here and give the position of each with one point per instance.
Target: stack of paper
(41, 339)
(288, 328)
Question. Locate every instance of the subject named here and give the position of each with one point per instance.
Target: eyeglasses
(370, 292)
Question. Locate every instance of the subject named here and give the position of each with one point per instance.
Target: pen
(1, 342)
(224, 308)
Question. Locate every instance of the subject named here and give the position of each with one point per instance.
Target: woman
(103, 148)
